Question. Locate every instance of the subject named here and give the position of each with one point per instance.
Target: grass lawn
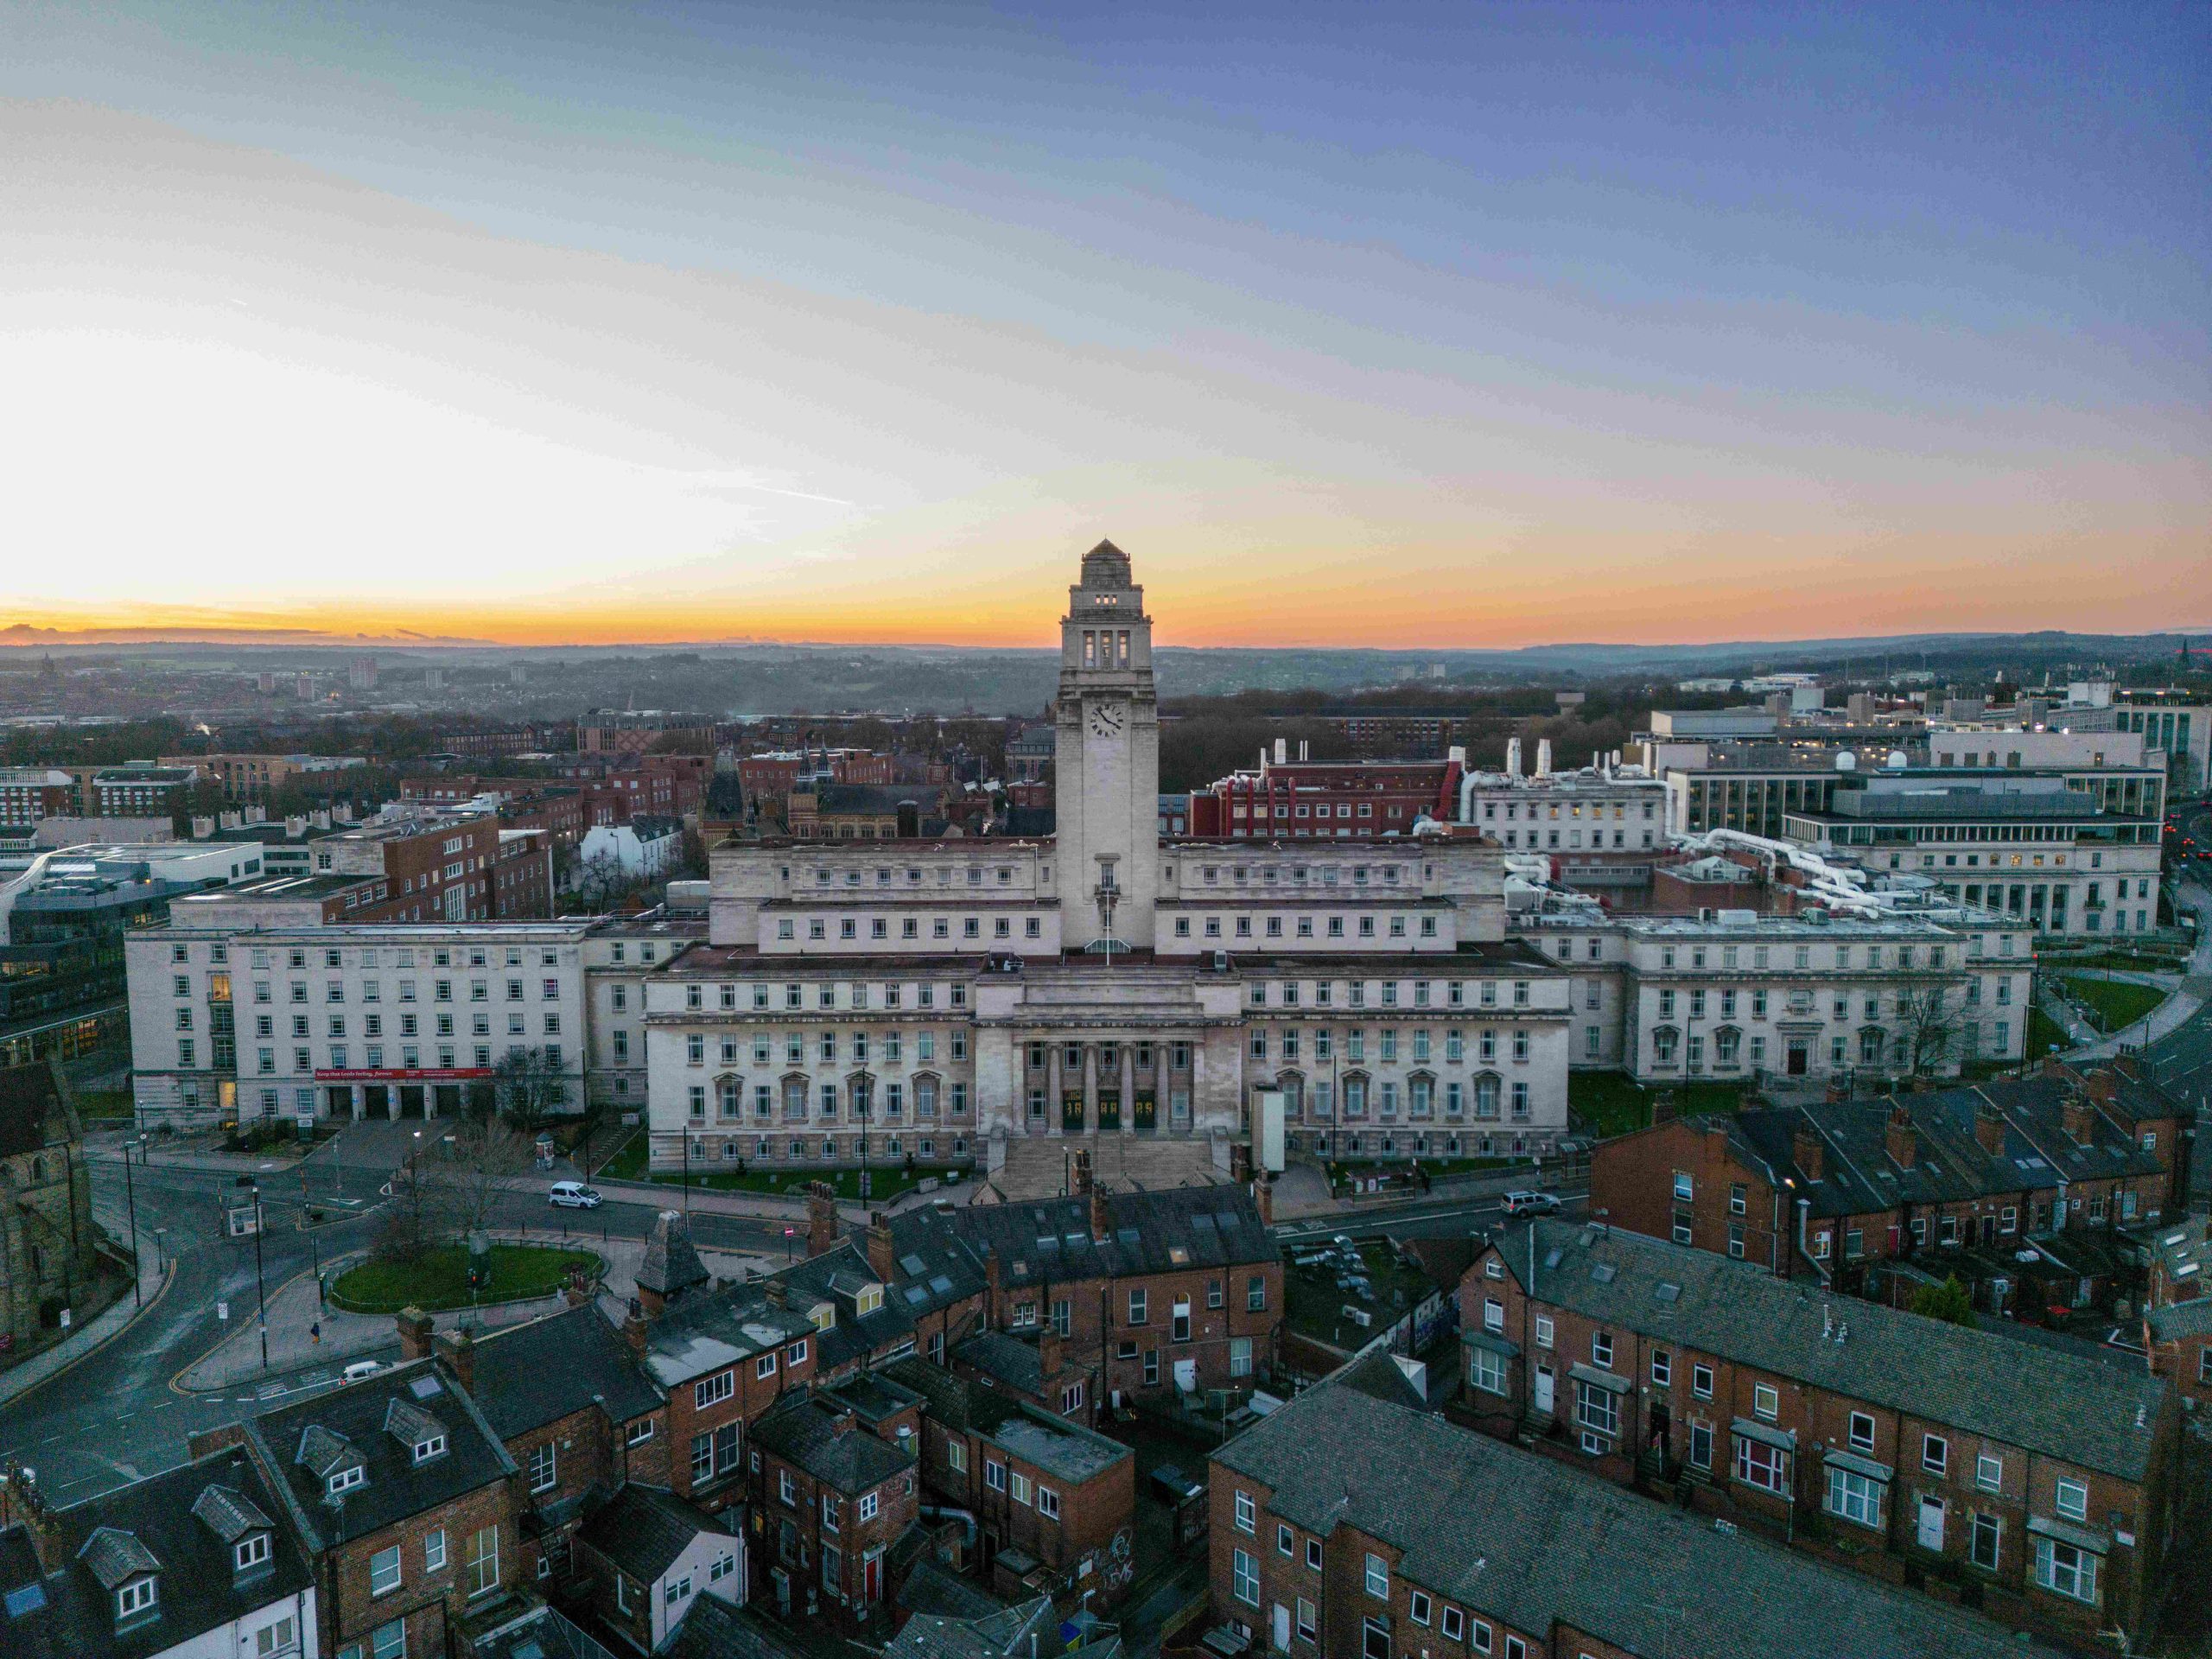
(2113, 1002)
(440, 1279)
(2044, 1035)
(628, 1163)
(1607, 1103)
(2139, 962)
(103, 1102)
(885, 1180)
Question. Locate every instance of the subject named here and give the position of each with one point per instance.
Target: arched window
(1727, 1047)
(926, 1096)
(1664, 1042)
(1870, 1045)
(1486, 1094)
(38, 1172)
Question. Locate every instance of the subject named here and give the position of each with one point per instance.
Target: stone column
(1090, 1088)
(1054, 1083)
(1128, 1053)
(1198, 1057)
(360, 1102)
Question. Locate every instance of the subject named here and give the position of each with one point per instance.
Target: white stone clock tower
(1106, 798)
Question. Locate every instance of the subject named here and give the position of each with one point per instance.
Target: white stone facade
(1669, 999)
(385, 1020)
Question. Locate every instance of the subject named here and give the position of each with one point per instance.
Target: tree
(1947, 1302)
(526, 1090)
(601, 879)
(1928, 1030)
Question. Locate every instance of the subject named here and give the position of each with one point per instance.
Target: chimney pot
(414, 1331)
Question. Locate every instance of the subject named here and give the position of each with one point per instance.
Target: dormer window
(867, 1299)
(345, 1480)
(251, 1551)
(825, 1316)
(431, 1446)
(136, 1598)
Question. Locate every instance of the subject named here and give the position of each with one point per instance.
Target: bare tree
(490, 1158)
(1929, 1030)
(601, 879)
(526, 1090)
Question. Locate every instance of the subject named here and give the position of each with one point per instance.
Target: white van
(572, 1195)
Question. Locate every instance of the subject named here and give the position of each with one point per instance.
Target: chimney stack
(458, 1350)
(1809, 1152)
(22, 1504)
(1282, 751)
(1899, 1139)
(880, 1260)
(1263, 1198)
(1079, 1173)
(2103, 1084)
(1513, 757)
(1543, 757)
(1048, 1353)
(1989, 1129)
(1101, 1225)
(414, 1334)
(2078, 1117)
(821, 1218)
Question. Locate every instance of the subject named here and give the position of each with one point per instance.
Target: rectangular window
(1244, 1574)
(383, 1572)
(1854, 1497)
(1862, 1431)
(1766, 1402)
(2066, 1570)
(483, 1561)
(1760, 1464)
(1378, 1577)
(1984, 1541)
(434, 1550)
(1246, 1511)
(1935, 1453)
(2071, 1498)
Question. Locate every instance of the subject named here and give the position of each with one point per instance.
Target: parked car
(1531, 1203)
(361, 1368)
(572, 1195)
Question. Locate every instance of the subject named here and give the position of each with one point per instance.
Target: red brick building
(2038, 1479)
(2178, 1311)
(435, 868)
(1302, 799)
(1830, 1191)
(832, 1498)
(1055, 1503)
(1351, 1522)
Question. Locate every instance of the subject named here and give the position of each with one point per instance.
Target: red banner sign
(457, 1074)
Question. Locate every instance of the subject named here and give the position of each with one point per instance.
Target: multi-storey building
(2069, 856)
(1601, 827)
(1351, 1522)
(2178, 1311)
(232, 1019)
(31, 793)
(1303, 799)
(46, 1234)
(255, 778)
(1825, 1190)
(1102, 987)
(139, 790)
(1911, 992)
(2041, 1478)
(406, 1501)
(434, 867)
(200, 1562)
(832, 1498)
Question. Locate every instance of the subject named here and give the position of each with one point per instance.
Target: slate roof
(933, 1588)
(671, 1266)
(528, 1375)
(642, 1529)
(2190, 1318)
(1950, 1165)
(1052, 1444)
(1522, 1540)
(396, 1486)
(162, 1523)
(2031, 1397)
(939, 1258)
(715, 1630)
(992, 1635)
(806, 1434)
(1017, 1363)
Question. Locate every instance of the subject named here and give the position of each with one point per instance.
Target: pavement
(153, 1280)
(2178, 1014)
(304, 1330)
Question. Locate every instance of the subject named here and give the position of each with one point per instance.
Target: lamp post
(260, 1295)
(860, 1110)
(131, 1194)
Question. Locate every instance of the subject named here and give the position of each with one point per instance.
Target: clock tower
(1106, 762)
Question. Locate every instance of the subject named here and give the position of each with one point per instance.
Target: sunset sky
(1460, 324)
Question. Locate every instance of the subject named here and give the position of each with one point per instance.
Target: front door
(1543, 1390)
(1071, 1111)
(1109, 1110)
(1931, 1523)
(1662, 1431)
(872, 1577)
(1147, 1113)
(1281, 1642)
(1799, 1053)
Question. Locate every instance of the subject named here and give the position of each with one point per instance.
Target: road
(2182, 1060)
(115, 1416)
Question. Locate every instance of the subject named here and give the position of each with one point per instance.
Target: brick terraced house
(1348, 1524)
(406, 1502)
(833, 1497)
(2038, 1481)
(1824, 1190)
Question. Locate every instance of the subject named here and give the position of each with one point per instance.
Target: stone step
(1035, 1166)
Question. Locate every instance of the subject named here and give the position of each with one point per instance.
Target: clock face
(1107, 719)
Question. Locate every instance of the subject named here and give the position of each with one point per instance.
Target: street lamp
(130, 1193)
(860, 1110)
(260, 1295)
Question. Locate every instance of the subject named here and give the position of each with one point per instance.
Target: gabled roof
(229, 1514)
(2045, 1401)
(115, 1557)
(826, 1442)
(161, 1524)
(1004, 1358)
(1053, 1444)
(411, 1425)
(396, 1486)
(528, 1375)
(1524, 1540)
(642, 1529)
(715, 1630)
